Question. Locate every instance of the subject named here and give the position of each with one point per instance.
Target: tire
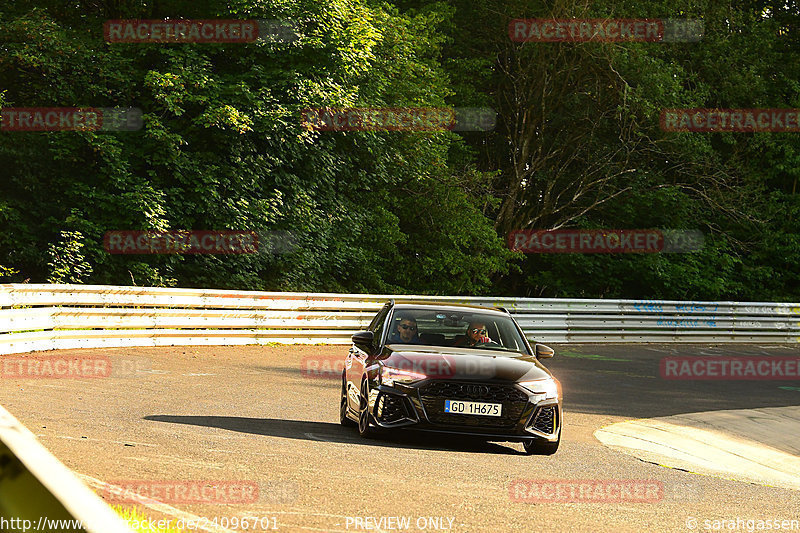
(539, 447)
(343, 418)
(364, 427)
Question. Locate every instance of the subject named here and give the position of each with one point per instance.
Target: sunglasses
(477, 330)
(412, 328)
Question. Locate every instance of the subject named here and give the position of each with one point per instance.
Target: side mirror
(543, 352)
(363, 339)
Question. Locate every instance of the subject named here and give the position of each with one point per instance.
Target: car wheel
(343, 418)
(540, 447)
(364, 428)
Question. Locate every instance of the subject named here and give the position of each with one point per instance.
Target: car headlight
(391, 375)
(548, 387)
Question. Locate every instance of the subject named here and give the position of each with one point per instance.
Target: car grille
(433, 395)
(390, 408)
(545, 420)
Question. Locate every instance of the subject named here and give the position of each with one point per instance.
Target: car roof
(448, 307)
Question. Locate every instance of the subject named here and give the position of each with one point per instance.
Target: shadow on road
(328, 432)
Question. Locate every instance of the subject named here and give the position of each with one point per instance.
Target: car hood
(465, 364)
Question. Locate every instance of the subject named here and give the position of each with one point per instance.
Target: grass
(140, 522)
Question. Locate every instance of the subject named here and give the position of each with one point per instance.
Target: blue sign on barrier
(691, 307)
(687, 323)
(649, 306)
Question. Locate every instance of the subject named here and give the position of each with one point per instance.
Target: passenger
(476, 334)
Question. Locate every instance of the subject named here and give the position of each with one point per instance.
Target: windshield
(466, 329)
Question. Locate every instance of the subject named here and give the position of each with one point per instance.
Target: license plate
(473, 408)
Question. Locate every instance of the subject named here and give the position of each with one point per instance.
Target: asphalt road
(248, 414)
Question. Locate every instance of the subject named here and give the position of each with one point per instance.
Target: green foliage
(577, 144)
(67, 263)
(7, 273)
(222, 148)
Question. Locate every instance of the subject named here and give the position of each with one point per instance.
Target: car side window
(377, 325)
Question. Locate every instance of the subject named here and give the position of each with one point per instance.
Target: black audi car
(458, 369)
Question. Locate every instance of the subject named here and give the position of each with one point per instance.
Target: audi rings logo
(476, 390)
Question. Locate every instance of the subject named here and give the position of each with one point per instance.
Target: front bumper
(420, 407)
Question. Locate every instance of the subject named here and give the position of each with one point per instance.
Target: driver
(406, 332)
(476, 334)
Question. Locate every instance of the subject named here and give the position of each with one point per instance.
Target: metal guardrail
(44, 317)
